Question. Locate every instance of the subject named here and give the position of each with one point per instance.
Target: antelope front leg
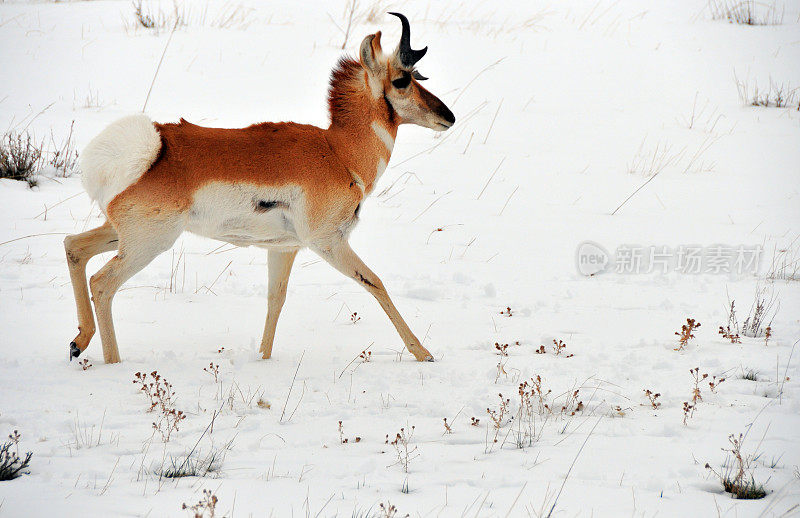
(280, 265)
(342, 257)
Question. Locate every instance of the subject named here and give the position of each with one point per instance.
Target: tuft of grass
(63, 157)
(23, 157)
(652, 163)
(353, 16)
(736, 474)
(20, 157)
(747, 489)
(191, 466)
(86, 436)
(763, 310)
(776, 95)
(750, 375)
(154, 18)
(746, 12)
(785, 262)
(11, 464)
(774, 463)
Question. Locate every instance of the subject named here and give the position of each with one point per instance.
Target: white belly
(247, 215)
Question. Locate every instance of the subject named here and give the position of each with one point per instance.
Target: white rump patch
(117, 157)
(384, 135)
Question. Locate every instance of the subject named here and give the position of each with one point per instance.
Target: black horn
(408, 56)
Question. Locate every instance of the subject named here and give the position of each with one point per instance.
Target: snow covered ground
(563, 110)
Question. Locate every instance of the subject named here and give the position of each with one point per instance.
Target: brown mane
(346, 84)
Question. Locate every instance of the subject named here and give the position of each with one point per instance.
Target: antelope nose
(447, 115)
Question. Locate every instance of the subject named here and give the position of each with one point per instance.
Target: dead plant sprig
(688, 411)
(447, 428)
(358, 357)
(686, 333)
(213, 369)
(499, 415)
(696, 393)
(653, 398)
(159, 391)
(406, 452)
(501, 370)
(345, 440)
(388, 510)
(559, 346)
(697, 377)
(731, 329)
(205, 508)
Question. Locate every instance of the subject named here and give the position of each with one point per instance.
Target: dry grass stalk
(777, 95)
(764, 308)
(731, 330)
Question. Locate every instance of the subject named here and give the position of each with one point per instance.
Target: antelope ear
(370, 52)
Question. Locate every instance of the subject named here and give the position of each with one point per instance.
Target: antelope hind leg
(80, 248)
(141, 239)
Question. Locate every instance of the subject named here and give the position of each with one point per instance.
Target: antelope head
(395, 78)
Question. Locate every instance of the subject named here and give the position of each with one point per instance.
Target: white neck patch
(384, 135)
(381, 168)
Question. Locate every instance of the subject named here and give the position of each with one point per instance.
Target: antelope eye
(402, 81)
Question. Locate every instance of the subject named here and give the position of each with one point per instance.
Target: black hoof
(74, 352)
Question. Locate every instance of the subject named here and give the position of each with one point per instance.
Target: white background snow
(575, 99)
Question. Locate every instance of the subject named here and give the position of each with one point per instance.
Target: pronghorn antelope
(279, 186)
